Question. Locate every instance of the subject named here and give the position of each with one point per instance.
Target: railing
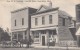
(12, 45)
(69, 43)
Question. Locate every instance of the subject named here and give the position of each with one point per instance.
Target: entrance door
(43, 40)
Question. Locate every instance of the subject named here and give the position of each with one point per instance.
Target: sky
(6, 7)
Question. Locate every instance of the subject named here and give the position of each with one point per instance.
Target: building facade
(78, 15)
(50, 26)
(20, 23)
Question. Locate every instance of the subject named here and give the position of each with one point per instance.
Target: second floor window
(63, 21)
(43, 20)
(15, 22)
(36, 21)
(50, 19)
(22, 21)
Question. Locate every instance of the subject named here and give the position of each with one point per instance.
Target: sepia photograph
(39, 24)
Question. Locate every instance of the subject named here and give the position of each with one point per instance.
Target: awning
(78, 31)
(16, 30)
(47, 28)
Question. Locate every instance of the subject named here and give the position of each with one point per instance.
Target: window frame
(36, 34)
(43, 20)
(22, 21)
(50, 19)
(15, 23)
(36, 21)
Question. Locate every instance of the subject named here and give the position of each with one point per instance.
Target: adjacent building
(78, 23)
(21, 23)
(78, 15)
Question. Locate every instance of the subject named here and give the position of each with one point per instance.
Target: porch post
(11, 36)
(40, 37)
(28, 34)
(23, 35)
(47, 32)
(17, 36)
(32, 37)
(28, 37)
(78, 41)
(11, 39)
(57, 40)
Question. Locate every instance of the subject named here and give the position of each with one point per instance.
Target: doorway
(43, 40)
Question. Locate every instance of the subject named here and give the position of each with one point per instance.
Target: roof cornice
(52, 9)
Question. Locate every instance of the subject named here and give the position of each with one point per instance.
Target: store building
(50, 26)
(20, 23)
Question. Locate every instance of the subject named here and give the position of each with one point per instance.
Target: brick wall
(63, 31)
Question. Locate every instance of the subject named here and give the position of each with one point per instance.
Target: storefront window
(50, 34)
(36, 34)
(43, 32)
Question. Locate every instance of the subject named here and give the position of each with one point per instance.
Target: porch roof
(21, 29)
(47, 28)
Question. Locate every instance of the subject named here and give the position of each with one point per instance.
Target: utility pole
(28, 37)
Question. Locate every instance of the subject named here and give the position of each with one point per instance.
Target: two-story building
(50, 26)
(46, 25)
(20, 23)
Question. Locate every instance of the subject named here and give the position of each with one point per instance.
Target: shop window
(36, 35)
